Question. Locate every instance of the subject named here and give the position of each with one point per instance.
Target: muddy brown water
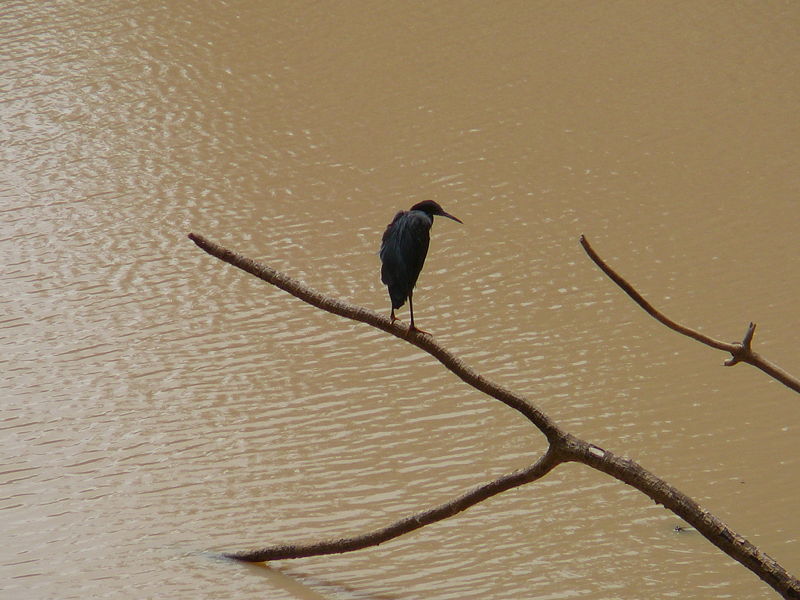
(160, 406)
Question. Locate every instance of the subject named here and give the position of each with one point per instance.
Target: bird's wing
(416, 239)
(389, 227)
(392, 269)
(405, 245)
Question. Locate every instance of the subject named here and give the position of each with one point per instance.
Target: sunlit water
(160, 406)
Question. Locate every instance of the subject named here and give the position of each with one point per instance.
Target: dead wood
(563, 447)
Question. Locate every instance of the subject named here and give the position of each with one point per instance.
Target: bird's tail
(398, 296)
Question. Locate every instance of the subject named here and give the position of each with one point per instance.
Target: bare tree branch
(398, 329)
(563, 447)
(740, 351)
(710, 526)
(536, 471)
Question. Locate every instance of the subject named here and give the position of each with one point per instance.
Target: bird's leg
(392, 317)
(411, 310)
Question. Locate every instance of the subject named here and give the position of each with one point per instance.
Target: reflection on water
(160, 405)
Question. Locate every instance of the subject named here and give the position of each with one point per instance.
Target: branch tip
(748, 336)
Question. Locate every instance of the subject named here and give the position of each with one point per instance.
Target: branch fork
(744, 348)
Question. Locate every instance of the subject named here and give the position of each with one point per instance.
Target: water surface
(160, 406)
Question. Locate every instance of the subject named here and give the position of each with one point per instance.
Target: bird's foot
(418, 330)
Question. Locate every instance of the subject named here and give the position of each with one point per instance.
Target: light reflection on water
(159, 404)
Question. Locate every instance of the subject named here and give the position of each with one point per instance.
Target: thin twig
(740, 351)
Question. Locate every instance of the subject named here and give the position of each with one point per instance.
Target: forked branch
(563, 447)
(740, 351)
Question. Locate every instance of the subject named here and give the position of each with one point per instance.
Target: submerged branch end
(539, 469)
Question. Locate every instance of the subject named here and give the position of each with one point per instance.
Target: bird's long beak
(449, 216)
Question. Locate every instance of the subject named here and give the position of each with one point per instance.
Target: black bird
(403, 250)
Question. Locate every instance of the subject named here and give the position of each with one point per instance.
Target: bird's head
(432, 208)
